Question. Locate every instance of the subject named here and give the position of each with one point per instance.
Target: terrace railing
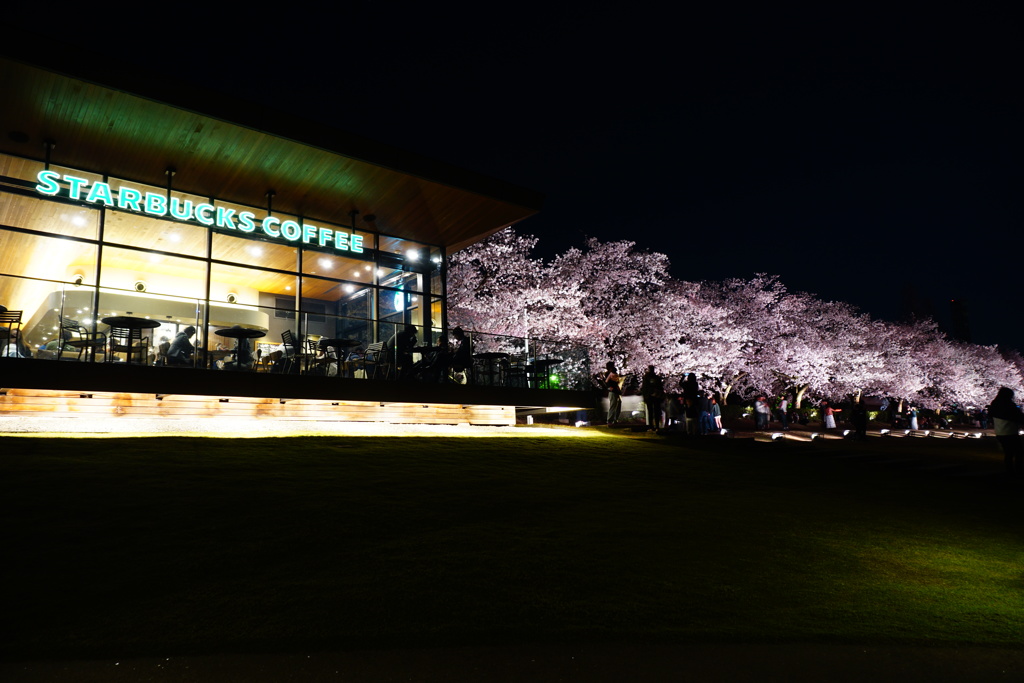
(499, 361)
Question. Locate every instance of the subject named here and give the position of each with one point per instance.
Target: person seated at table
(401, 345)
(181, 349)
(289, 360)
(58, 345)
(325, 361)
(462, 357)
(162, 349)
(241, 358)
(434, 365)
(15, 348)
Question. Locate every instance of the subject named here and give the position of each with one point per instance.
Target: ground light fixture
(778, 435)
(846, 432)
(815, 435)
(884, 432)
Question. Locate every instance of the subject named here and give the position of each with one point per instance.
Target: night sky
(869, 159)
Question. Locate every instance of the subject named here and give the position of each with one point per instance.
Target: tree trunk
(728, 387)
(800, 391)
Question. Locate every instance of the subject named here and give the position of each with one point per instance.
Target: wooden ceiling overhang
(135, 126)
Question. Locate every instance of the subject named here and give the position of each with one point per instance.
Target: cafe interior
(267, 318)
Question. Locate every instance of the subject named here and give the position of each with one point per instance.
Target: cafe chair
(272, 361)
(377, 362)
(9, 321)
(293, 355)
(330, 360)
(162, 349)
(128, 341)
(85, 341)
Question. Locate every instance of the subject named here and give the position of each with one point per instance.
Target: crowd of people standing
(697, 412)
(694, 411)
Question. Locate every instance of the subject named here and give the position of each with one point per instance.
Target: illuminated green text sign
(129, 199)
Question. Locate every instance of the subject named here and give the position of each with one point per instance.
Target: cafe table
(238, 333)
(133, 323)
(491, 374)
(427, 353)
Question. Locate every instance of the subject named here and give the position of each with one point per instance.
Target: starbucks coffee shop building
(157, 208)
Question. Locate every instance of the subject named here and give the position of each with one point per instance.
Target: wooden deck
(71, 389)
(55, 403)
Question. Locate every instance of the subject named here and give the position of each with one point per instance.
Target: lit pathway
(911, 463)
(248, 428)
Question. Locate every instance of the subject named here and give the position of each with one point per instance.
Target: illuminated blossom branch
(747, 335)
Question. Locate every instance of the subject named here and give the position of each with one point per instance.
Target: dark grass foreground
(168, 546)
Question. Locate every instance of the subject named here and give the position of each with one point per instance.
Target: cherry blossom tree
(738, 335)
(493, 282)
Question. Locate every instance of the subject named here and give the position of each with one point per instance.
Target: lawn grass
(184, 545)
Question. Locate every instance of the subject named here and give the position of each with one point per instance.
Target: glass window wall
(59, 268)
(31, 213)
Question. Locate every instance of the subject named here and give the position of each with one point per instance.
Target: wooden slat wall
(45, 403)
(107, 130)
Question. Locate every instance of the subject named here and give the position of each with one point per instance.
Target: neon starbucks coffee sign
(153, 204)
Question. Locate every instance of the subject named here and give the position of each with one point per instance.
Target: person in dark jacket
(653, 391)
(859, 417)
(1008, 420)
(462, 357)
(613, 383)
(181, 349)
(402, 345)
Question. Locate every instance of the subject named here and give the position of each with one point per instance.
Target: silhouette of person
(859, 417)
(613, 383)
(181, 349)
(462, 357)
(401, 344)
(653, 391)
(1008, 420)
